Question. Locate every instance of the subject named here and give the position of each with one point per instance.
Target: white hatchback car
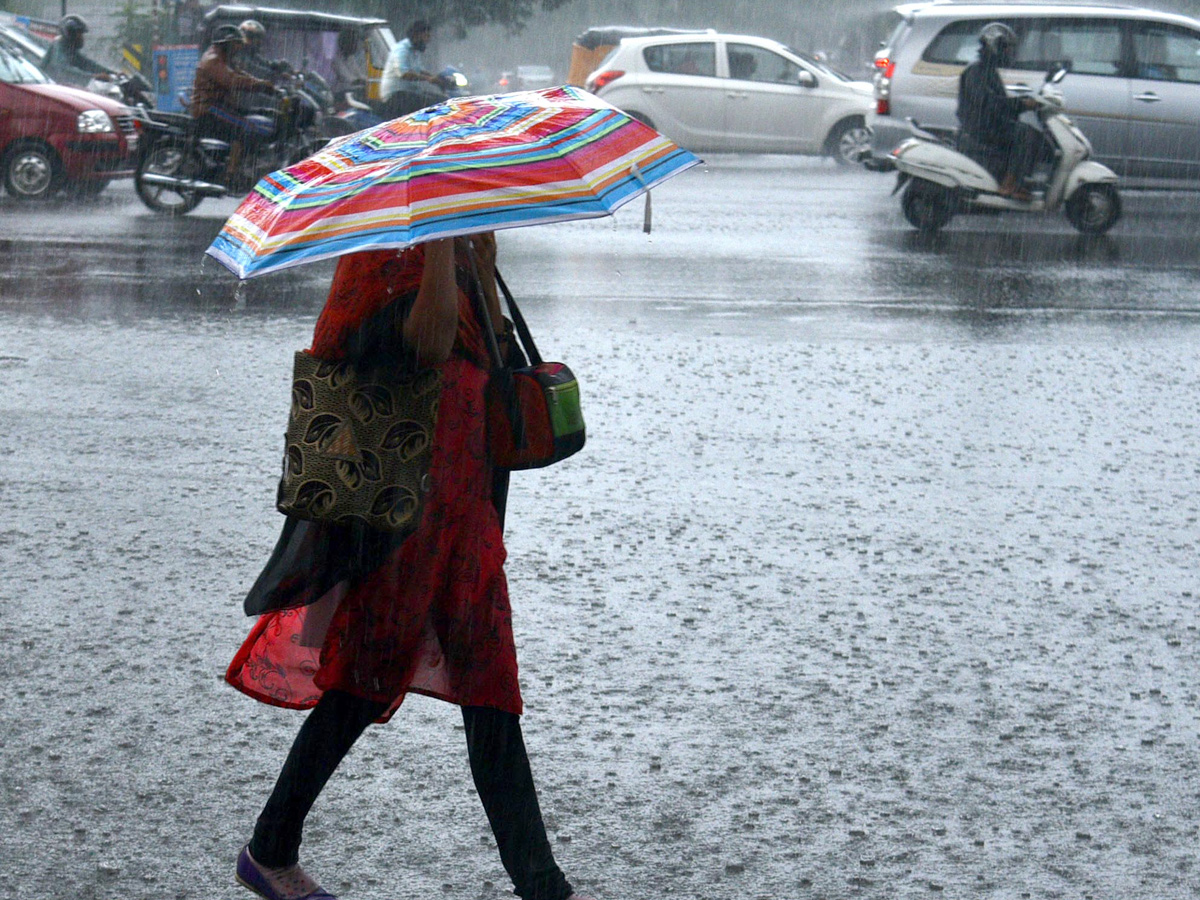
(725, 92)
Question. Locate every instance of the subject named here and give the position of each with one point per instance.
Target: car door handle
(1148, 97)
(737, 95)
(653, 90)
(1021, 88)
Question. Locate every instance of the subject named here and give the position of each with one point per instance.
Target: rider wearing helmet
(251, 58)
(991, 130)
(219, 96)
(65, 61)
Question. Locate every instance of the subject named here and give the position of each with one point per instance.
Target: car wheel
(32, 171)
(849, 142)
(928, 207)
(172, 159)
(1094, 208)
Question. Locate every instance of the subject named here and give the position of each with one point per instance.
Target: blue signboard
(173, 71)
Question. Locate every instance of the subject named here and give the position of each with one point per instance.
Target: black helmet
(72, 26)
(226, 34)
(997, 39)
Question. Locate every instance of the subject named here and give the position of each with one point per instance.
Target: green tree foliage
(135, 24)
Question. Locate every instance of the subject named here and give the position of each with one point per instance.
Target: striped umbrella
(463, 166)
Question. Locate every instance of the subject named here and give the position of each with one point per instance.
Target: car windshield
(22, 42)
(817, 64)
(16, 69)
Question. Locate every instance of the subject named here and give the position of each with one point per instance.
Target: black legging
(499, 765)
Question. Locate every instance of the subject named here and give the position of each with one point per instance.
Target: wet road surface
(877, 577)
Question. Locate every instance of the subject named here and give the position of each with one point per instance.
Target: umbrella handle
(637, 173)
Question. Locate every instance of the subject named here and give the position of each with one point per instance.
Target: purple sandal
(290, 883)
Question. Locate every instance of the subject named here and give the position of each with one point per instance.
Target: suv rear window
(956, 44)
(682, 59)
(1092, 46)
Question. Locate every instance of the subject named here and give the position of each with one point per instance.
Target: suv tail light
(885, 68)
(603, 79)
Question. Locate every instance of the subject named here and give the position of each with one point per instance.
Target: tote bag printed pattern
(358, 446)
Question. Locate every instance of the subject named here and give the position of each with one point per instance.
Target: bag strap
(531, 350)
(481, 312)
(502, 373)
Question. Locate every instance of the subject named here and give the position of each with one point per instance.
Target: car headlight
(94, 121)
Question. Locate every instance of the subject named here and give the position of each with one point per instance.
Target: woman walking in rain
(352, 621)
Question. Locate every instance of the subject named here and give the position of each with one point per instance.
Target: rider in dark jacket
(990, 126)
(65, 61)
(219, 94)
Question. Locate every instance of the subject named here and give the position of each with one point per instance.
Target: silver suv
(1133, 86)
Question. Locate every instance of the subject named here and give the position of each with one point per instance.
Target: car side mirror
(806, 79)
(1058, 71)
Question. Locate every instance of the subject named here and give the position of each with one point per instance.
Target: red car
(52, 136)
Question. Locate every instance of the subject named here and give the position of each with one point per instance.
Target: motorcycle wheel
(928, 207)
(1094, 208)
(175, 159)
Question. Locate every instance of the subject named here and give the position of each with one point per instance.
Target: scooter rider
(65, 61)
(991, 130)
(217, 99)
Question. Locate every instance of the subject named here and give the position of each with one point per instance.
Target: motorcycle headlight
(460, 80)
(94, 121)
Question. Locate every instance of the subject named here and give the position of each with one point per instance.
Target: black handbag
(358, 444)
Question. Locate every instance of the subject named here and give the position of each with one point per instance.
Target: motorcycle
(131, 89)
(180, 166)
(939, 180)
(415, 94)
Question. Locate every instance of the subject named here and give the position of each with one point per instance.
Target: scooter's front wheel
(928, 207)
(1094, 208)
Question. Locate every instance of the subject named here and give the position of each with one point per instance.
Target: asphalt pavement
(876, 578)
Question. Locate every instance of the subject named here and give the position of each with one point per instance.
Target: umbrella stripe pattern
(462, 166)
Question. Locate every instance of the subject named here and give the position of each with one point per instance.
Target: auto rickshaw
(308, 41)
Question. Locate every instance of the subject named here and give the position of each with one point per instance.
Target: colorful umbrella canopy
(466, 165)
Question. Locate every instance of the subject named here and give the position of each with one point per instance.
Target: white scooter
(942, 181)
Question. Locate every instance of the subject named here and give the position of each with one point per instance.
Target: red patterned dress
(433, 616)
